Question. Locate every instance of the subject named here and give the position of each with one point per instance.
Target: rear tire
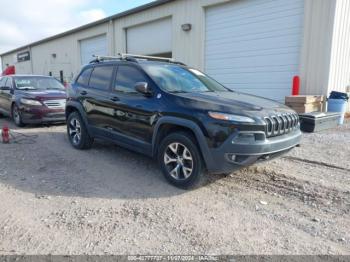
(180, 160)
(77, 132)
(16, 116)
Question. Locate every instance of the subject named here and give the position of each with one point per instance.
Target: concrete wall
(317, 45)
(325, 61)
(188, 47)
(67, 55)
(66, 49)
(22, 67)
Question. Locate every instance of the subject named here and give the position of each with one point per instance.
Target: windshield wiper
(178, 91)
(27, 88)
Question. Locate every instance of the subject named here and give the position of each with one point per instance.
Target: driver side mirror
(143, 88)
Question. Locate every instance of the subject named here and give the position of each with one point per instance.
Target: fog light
(232, 157)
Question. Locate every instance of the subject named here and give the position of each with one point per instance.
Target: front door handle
(115, 99)
(83, 93)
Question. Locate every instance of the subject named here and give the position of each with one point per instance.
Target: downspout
(2, 65)
(112, 35)
(31, 60)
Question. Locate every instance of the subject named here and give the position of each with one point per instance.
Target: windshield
(177, 79)
(37, 83)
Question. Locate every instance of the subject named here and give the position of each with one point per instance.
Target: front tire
(180, 160)
(77, 132)
(16, 116)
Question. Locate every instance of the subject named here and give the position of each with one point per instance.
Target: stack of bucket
(337, 102)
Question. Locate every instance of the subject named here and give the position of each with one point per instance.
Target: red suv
(32, 99)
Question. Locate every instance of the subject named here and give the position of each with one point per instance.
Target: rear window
(101, 77)
(85, 77)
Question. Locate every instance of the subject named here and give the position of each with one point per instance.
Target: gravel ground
(57, 200)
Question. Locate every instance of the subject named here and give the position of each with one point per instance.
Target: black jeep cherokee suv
(179, 115)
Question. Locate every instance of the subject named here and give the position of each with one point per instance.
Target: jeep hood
(232, 101)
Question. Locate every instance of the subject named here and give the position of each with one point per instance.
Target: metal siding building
(255, 46)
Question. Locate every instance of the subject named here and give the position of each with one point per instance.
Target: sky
(26, 21)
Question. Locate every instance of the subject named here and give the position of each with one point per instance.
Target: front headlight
(229, 117)
(30, 102)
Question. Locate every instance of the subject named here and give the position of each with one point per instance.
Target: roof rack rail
(133, 58)
(145, 57)
(100, 58)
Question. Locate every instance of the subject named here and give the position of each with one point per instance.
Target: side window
(84, 77)
(101, 77)
(5, 82)
(9, 82)
(126, 79)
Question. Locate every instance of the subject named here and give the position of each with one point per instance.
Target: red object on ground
(5, 134)
(296, 86)
(10, 70)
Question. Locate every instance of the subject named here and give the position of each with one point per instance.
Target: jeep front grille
(55, 104)
(277, 125)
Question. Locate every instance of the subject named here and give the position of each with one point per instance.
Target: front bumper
(245, 148)
(41, 114)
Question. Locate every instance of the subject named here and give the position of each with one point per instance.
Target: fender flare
(189, 125)
(77, 106)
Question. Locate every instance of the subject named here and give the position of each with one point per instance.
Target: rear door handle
(115, 99)
(83, 93)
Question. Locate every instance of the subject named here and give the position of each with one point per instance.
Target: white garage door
(153, 38)
(92, 46)
(254, 46)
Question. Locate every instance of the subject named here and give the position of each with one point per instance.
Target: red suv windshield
(37, 83)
